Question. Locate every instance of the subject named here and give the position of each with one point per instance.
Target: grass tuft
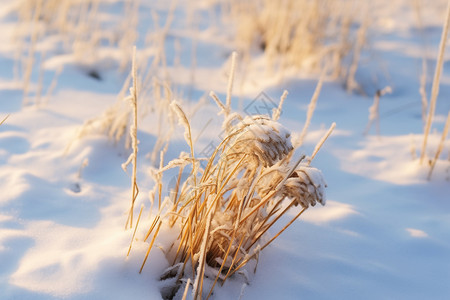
(224, 211)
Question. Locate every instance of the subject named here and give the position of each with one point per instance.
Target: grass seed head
(262, 139)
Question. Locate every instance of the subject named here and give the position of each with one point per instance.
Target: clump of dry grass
(223, 212)
(115, 121)
(302, 34)
(80, 29)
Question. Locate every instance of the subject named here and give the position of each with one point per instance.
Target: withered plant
(224, 209)
(303, 34)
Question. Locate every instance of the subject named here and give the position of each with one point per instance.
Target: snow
(383, 234)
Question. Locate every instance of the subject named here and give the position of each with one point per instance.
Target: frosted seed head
(262, 139)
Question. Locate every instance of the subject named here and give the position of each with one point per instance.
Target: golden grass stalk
(422, 89)
(277, 112)
(31, 50)
(311, 108)
(186, 289)
(135, 229)
(321, 142)
(219, 103)
(441, 145)
(230, 81)
(40, 80)
(351, 83)
(436, 83)
(3, 121)
(374, 110)
(134, 142)
(150, 246)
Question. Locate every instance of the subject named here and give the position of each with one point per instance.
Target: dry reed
(134, 141)
(441, 145)
(374, 110)
(3, 121)
(302, 34)
(224, 211)
(436, 83)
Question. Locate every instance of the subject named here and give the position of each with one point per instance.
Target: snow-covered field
(384, 232)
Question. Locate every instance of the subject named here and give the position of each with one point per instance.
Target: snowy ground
(383, 234)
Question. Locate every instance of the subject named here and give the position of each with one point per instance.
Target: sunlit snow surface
(383, 234)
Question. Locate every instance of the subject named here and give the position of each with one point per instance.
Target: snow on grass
(382, 235)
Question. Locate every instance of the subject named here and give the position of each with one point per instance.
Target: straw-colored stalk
(374, 110)
(423, 90)
(230, 81)
(3, 121)
(53, 84)
(418, 8)
(351, 83)
(41, 80)
(310, 113)
(186, 289)
(321, 142)
(129, 29)
(436, 83)
(441, 145)
(31, 50)
(134, 141)
(277, 111)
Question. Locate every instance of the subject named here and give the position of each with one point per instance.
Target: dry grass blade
(186, 289)
(374, 114)
(150, 246)
(135, 229)
(3, 121)
(422, 89)
(230, 81)
(277, 112)
(311, 108)
(219, 103)
(155, 221)
(267, 244)
(321, 142)
(441, 145)
(436, 83)
(223, 264)
(261, 231)
(201, 267)
(182, 119)
(134, 140)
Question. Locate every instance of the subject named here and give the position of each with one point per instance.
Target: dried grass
(436, 83)
(3, 121)
(302, 34)
(441, 145)
(224, 211)
(133, 98)
(374, 110)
